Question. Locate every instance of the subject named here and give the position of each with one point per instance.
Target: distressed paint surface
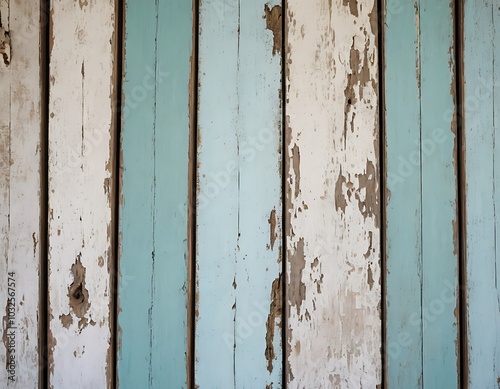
(20, 135)
(333, 334)
(154, 211)
(403, 350)
(80, 232)
(238, 323)
(421, 241)
(482, 166)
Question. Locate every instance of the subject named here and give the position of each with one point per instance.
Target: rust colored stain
(77, 292)
(274, 319)
(273, 24)
(272, 229)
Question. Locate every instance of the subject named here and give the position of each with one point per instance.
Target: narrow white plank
(20, 130)
(333, 269)
(81, 140)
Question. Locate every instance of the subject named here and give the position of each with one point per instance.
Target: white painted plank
(333, 326)
(81, 128)
(20, 129)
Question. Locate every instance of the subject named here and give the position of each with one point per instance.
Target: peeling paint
(368, 184)
(273, 23)
(273, 320)
(296, 168)
(272, 229)
(340, 201)
(297, 288)
(77, 292)
(66, 320)
(83, 3)
(5, 46)
(370, 279)
(353, 6)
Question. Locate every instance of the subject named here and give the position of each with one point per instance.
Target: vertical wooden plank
(333, 238)
(20, 136)
(81, 162)
(481, 117)
(154, 194)
(238, 327)
(422, 246)
(440, 304)
(403, 193)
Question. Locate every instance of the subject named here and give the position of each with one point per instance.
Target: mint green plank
(403, 350)
(238, 337)
(153, 225)
(421, 246)
(439, 196)
(482, 115)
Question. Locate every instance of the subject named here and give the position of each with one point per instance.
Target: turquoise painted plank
(154, 195)
(422, 236)
(403, 349)
(439, 196)
(238, 334)
(481, 118)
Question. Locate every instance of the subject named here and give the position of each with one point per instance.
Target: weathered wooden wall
(238, 220)
(333, 331)
(272, 194)
(20, 193)
(81, 159)
(421, 196)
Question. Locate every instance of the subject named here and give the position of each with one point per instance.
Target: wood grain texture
(81, 192)
(422, 235)
(20, 152)
(238, 326)
(481, 117)
(440, 306)
(403, 350)
(154, 195)
(333, 228)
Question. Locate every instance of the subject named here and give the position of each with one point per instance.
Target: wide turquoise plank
(403, 350)
(154, 195)
(482, 164)
(421, 241)
(238, 334)
(439, 196)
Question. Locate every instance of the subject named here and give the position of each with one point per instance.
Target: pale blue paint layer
(439, 196)
(482, 115)
(421, 241)
(239, 187)
(153, 212)
(403, 349)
